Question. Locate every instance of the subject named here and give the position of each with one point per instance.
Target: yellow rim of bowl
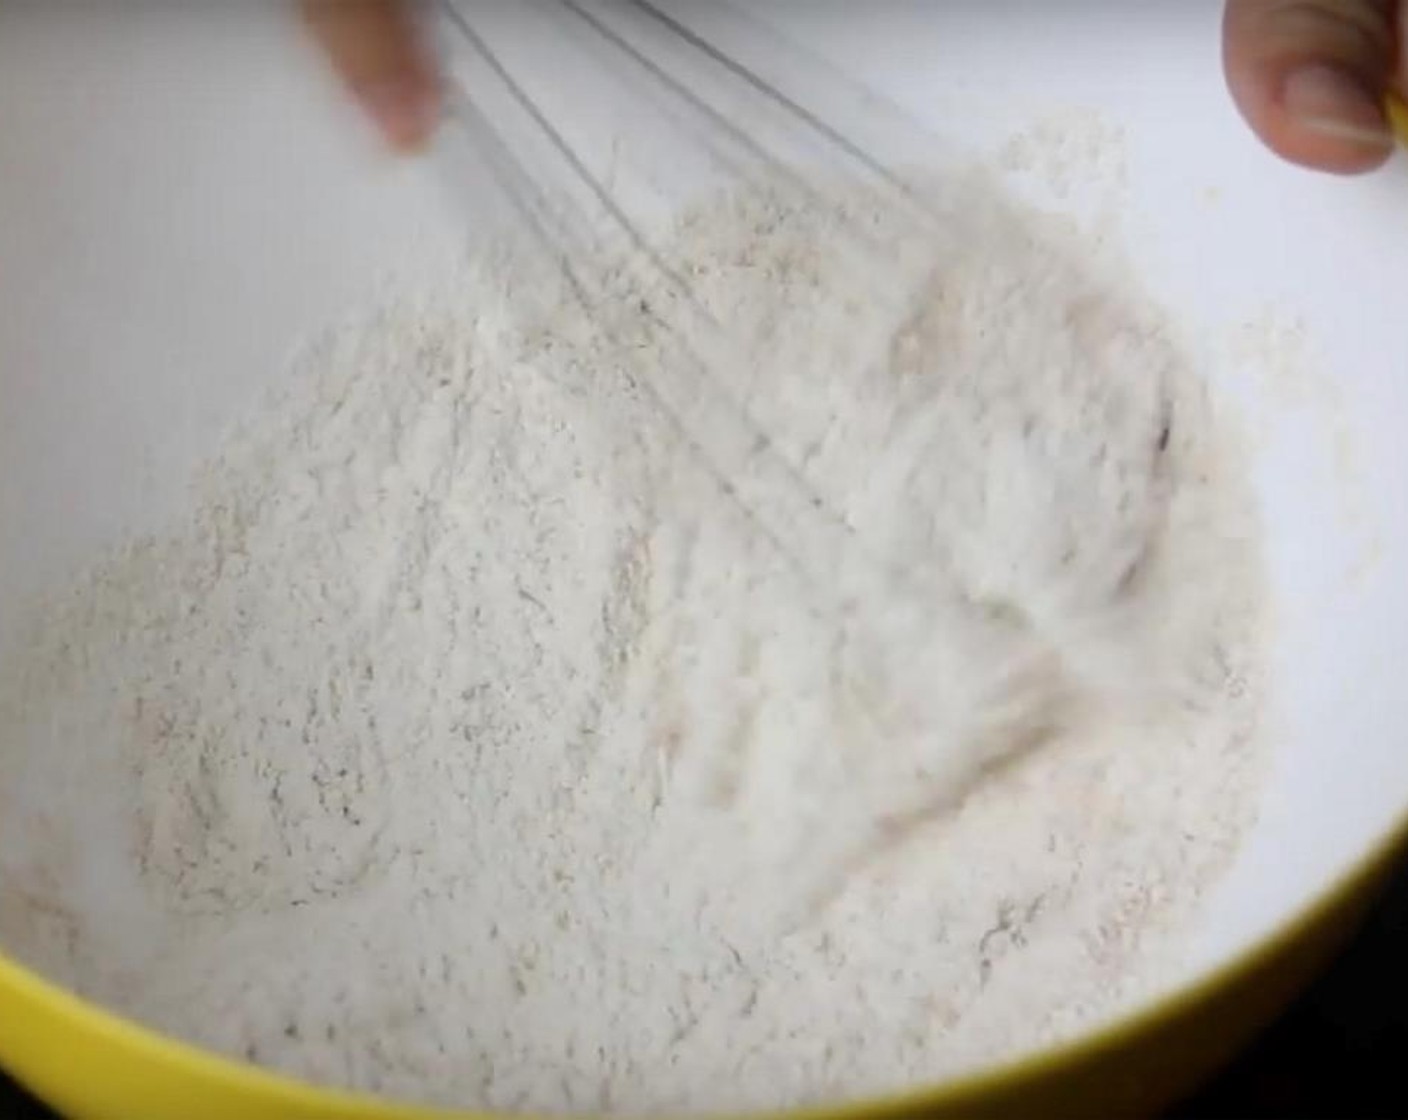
(1398, 118)
(950, 1095)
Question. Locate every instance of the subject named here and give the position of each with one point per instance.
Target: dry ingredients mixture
(467, 742)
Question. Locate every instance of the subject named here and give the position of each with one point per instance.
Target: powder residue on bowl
(468, 742)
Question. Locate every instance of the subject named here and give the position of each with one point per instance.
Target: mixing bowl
(182, 193)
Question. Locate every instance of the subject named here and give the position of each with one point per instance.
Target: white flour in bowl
(467, 743)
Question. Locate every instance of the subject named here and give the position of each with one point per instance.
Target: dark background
(1341, 1051)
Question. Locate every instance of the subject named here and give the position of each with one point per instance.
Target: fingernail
(1335, 103)
(402, 110)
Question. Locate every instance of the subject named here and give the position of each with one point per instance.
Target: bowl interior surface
(182, 194)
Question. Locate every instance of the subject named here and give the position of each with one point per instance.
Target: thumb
(1310, 77)
(376, 48)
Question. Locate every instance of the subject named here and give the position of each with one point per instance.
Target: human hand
(377, 50)
(1310, 76)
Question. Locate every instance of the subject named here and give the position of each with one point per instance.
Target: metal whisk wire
(572, 213)
(850, 583)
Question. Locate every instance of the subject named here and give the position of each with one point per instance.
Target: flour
(467, 743)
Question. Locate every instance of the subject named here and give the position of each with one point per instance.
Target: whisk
(541, 93)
